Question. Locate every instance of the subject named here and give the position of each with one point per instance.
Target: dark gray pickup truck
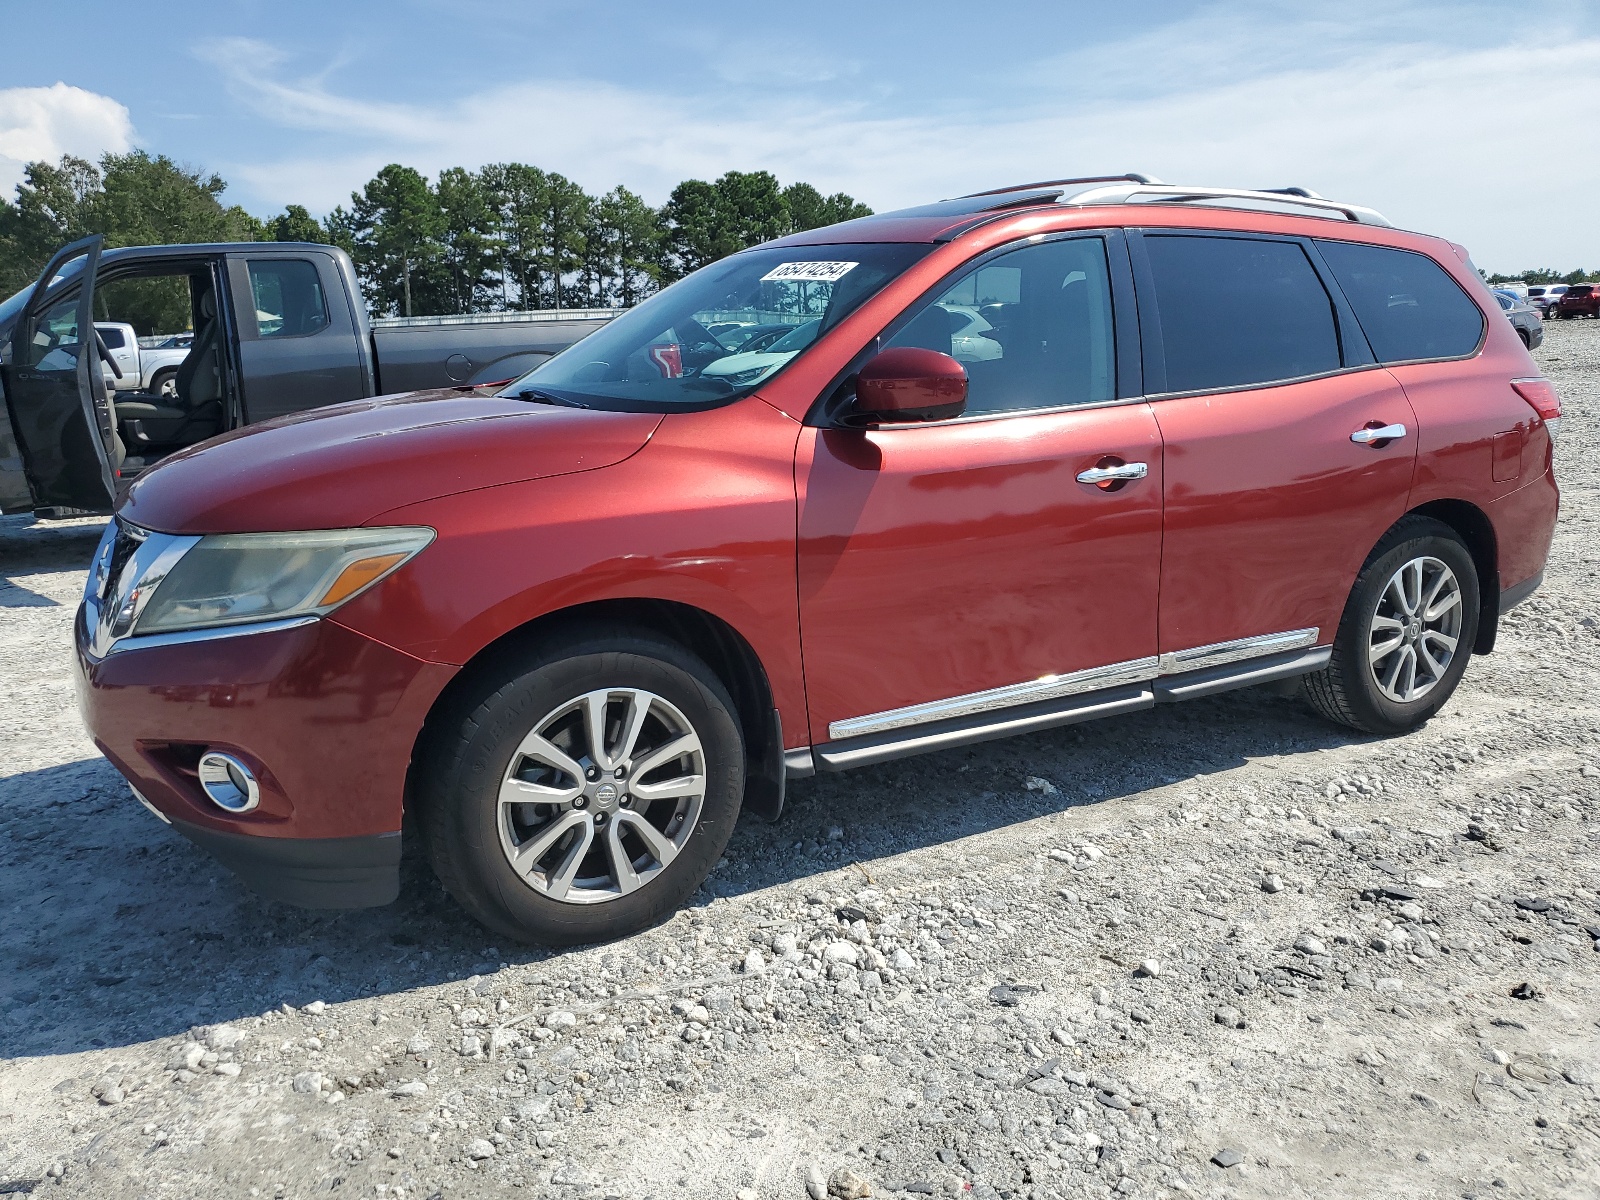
(279, 327)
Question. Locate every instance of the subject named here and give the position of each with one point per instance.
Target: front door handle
(1105, 475)
(1381, 433)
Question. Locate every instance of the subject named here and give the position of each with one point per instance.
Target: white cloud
(1438, 130)
(47, 122)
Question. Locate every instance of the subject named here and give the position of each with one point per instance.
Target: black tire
(1347, 691)
(160, 379)
(470, 749)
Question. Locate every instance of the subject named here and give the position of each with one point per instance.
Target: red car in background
(1579, 300)
(1033, 456)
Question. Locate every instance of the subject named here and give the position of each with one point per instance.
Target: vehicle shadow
(121, 931)
(30, 548)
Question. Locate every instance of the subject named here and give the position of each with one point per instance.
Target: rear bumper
(351, 872)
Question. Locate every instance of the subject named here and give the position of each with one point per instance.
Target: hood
(346, 465)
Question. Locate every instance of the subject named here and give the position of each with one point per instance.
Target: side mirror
(907, 384)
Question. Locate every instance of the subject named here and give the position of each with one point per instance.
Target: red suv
(1579, 300)
(1024, 458)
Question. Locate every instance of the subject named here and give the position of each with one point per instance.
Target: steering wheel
(105, 354)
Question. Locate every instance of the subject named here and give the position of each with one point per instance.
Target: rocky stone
(479, 1149)
(754, 963)
(841, 952)
(411, 1087)
(1272, 884)
(307, 1082)
(1148, 968)
(1229, 1016)
(315, 1009)
(1227, 1158)
(845, 1184)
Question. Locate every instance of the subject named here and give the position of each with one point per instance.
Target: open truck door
(56, 391)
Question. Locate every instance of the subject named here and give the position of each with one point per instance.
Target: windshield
(721, 331)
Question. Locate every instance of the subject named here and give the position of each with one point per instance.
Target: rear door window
(288, 297)
(1408, 305)
(111, 336)
(1239, 311)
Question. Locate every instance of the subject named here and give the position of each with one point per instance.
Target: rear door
(298, 345)
(56, 391)
(1268, 400)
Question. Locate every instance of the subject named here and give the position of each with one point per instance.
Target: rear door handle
(1111, 474)
(1383, 433)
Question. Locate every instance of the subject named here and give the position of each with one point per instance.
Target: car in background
(1544, 296)
(133, 366)
(1580, 300)
(1522, 316)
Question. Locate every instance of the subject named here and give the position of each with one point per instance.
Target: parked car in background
(1544, 296)
(279, 328)
(1580, 300)
(131, 366)
(556, 632)
(1519, 290)
(1523, 316)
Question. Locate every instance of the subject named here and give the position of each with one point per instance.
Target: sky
(1476, 121)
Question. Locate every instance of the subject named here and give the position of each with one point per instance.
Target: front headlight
(232, 578)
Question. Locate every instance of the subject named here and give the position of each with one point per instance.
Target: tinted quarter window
(1032, 327)
(288, 297)
(112, 338)
(1407, 304)
(1238, 311)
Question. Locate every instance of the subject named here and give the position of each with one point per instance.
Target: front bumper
(325, 718)
(352, 872)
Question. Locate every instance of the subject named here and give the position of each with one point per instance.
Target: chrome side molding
(1055, 687)
(1189, 684)
(1175, 662)
(1051, 687)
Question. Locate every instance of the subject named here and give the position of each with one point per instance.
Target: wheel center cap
(606, 795)
(1413, 630)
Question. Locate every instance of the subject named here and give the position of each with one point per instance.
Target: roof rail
(1130, 177)
(1296, 197)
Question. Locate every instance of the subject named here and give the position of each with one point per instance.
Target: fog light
(228, 782)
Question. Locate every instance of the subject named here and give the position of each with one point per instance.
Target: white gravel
(1221, 949)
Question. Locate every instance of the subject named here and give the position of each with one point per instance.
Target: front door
(1276, 486)
(56, 389)
(941, 562)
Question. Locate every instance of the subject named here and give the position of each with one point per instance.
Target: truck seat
(197, 414)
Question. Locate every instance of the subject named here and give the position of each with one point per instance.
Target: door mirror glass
(908, 384)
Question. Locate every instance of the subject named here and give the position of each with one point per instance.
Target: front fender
(702, 516)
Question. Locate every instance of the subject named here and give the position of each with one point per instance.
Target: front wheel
(584, 792)
(1406, 635)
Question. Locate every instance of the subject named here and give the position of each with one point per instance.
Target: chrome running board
(1064, 699)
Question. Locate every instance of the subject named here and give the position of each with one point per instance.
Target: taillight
(1541, 396)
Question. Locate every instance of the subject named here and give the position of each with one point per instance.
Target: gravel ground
(1222, 949)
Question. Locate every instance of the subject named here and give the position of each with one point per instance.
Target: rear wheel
(588, 791)
(1406, 635)
(165, 385)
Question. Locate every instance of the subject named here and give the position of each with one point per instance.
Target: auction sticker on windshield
(817, 272)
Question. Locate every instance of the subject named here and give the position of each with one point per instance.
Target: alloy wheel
(601, 795)
(1415, 630)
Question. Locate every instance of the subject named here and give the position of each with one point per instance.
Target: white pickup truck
(146, 364)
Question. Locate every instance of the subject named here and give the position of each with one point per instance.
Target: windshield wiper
(538, 397)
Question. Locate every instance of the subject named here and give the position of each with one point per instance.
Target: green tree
(295, 224)
(628, 236)
(515, 194)
(470, 245)
(396, 229)
(703, 222)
